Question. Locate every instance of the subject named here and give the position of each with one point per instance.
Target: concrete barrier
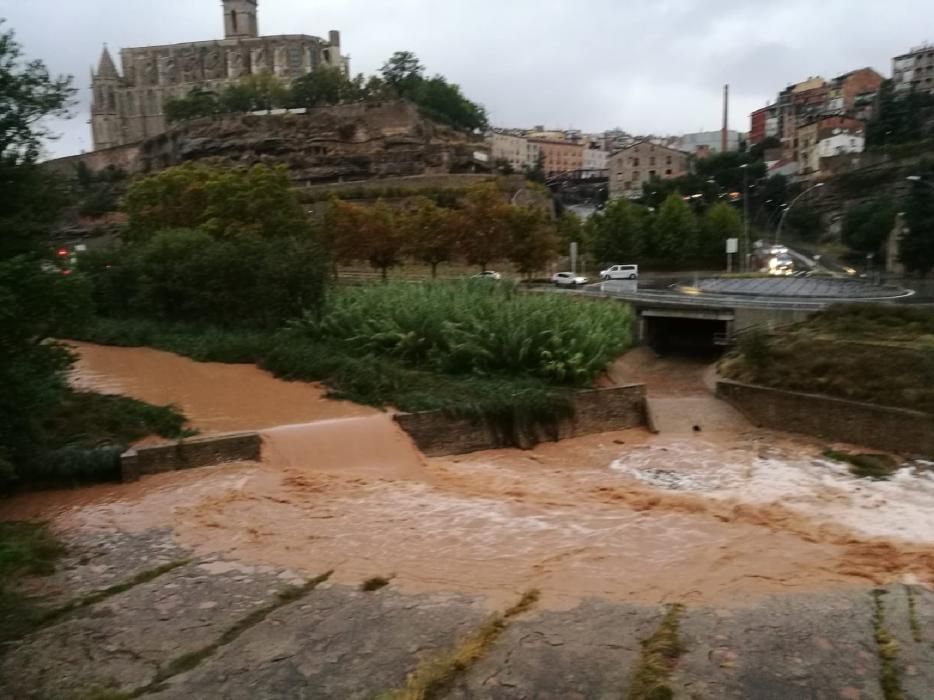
(595, 411)
(885, 428)
(190, 453)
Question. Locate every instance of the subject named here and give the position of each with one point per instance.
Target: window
(635, 176)
(652, 175)
(668, 172)
(668, 161)
(233, 20)
(635, 162)
(652, 160)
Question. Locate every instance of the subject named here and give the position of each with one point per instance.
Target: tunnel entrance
(691, 334)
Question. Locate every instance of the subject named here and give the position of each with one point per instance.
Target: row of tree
(402, 76)
(483, 229)
(624, 231)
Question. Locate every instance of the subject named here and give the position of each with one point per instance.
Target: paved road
(210, 628)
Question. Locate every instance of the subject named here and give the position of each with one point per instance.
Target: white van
(621, 272)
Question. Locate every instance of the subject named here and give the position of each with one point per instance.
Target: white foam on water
(824, 490)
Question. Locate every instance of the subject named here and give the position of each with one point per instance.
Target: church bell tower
(240, 20)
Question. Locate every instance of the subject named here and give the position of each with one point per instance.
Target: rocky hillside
(329, 144)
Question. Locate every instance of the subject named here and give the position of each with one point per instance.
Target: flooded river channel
(722, 516)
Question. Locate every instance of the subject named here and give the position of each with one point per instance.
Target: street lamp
(745, 168)
(781, 223)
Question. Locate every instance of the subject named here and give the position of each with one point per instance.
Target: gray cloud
(644, 65)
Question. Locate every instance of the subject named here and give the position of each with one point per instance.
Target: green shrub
(475, 328)
(88, 420)
(191, 276)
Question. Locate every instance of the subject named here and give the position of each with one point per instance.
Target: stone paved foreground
(209, 628)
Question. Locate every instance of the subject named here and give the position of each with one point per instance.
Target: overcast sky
(648, 66)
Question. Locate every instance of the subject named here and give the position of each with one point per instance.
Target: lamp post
(745, 168)
(781, 223)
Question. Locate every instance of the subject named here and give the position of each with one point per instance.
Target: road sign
(732, 245)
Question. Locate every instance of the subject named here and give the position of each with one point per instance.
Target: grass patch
(887, 646)
(88, 420)
(435, 676)
(913, 620)
(837, 353)
(660, 653)
(26, 549)
(878, 467)
(375, 583)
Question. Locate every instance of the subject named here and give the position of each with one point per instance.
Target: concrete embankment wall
(878, 427)
(596, 411)
(190, 453)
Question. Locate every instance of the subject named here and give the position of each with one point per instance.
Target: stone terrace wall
(596, 411)
(878, 427)
(190, 453)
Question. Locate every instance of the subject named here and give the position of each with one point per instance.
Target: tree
(537, 173)
(721, 221)
(430, 233)
(382, 237)
(916, 247)
(28, 95)
(533, 240)
(618, 231)
(446, 102)
(196, 104)
(675, 230)
(403, 72)
(485, 227)
(326, 85)
(866, 227)
(223, 201)
(38, 300)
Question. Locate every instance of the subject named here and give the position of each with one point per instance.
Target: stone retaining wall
(596, 411)
(878, 427)
(190, 453)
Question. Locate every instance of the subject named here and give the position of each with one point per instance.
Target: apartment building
(635, 165)
(914, 70)
(560, 156)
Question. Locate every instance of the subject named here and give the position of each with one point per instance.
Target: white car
(487, 275)
(567, 279)
(621, 272)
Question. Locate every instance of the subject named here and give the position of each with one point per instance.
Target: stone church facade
(128, 108)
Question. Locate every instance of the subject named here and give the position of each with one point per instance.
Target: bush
(477, 328)
(190, 276)
(88, 420)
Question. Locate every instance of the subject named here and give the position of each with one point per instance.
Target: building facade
(914, 70)
(595, 159)
(560, 156)
(839, 132)
(705, 143)
(521, 153)
(631, 167)
(128, 105)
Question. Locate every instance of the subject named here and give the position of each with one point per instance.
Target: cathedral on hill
(127, 105)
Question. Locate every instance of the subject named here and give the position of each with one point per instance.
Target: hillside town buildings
(914, 70)
(631, 167)
(128, 104)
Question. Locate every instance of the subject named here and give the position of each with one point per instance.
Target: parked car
(621, 272)
(487, 275)
(567, 279)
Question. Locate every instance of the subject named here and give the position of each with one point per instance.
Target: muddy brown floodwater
(216, 397)
(726, 516)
